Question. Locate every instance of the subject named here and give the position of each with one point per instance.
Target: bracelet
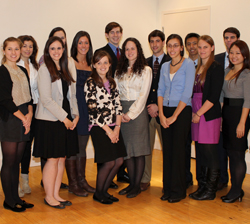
(118, 125)
(198, 115)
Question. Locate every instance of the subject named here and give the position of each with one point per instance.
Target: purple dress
(204, 132)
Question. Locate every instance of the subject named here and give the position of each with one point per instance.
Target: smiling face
(102, 66)
(12, 51)
(61, 35)
(114, 36)
(174, 48)
(235, 56)
(192, 47)
(56, 51)
(27, 49)
(156, 45)
(204, 50)
(131, 52)
(229, 38)
(83, 45)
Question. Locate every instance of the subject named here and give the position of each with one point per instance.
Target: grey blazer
(50, 101)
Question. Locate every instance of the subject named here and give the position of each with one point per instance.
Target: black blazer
(220, 58)
(6, 101)
(108, 49)
(152, 97)
(212, 90)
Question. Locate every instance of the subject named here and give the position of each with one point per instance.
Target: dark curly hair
(35, 49)
(139, 64)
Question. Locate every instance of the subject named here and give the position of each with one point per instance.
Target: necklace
(176, 63)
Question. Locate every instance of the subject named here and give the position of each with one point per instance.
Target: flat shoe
(103, 201)
(123, 192)
(133, 194)
(113, 185)
(164, 197)
(60, 206)
(66, 203)
(174, 200)
(26, 205)
(17, 208)
(112, 198)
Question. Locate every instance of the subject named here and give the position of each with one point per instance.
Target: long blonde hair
(210, 41)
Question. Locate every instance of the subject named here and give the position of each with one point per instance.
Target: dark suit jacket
(152, 97)
(220, 58)
(108, 49)
(212, 90)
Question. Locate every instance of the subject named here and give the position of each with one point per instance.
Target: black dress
(52, 139)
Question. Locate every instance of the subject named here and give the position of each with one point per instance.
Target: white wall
(224, 13)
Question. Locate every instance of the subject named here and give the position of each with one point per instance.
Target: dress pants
(153, 126)
(174, 144)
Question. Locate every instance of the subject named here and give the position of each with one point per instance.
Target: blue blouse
(82, 126)
(181, 86)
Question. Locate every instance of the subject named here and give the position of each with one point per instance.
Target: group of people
(121, 98)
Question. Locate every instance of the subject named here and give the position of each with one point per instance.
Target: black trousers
(174, 143)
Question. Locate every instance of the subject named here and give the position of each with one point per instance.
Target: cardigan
(6, 101)
(102, 106)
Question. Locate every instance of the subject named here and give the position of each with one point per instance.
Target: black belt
(233, 102)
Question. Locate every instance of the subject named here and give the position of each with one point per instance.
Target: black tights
(209, 155)
(237, 170)
(135, 166)
(106, 173)
(12, 155)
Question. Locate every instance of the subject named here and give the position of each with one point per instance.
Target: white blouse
(135, 87)
(33, 80)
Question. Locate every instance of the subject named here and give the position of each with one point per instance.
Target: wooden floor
(145, 208)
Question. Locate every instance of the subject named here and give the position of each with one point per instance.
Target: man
(156, 41)
(191, 43)
(230, 35)
(113, 33)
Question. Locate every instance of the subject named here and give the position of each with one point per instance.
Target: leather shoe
(64, 186)
(220, 186)
(189, 184)
(123, 191)
(16, 208)
(65, 203)
(113, 185)
(132, 194)
(26, 205)
(124, 178)
(173, 200)
(227, 200)
(112, 198)
(144, 186)
(164, 197)
(105, 201)
(60, 206)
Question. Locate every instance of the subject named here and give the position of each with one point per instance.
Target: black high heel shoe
(228, 200)
(16, 208)
(105, 201)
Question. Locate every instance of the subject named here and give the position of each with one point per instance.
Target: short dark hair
(111, 26)
(156, 33)
(178, 37)
(190, 35)
(232, 30)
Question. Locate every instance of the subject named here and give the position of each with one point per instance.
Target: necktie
(155, 68)
(117, 54)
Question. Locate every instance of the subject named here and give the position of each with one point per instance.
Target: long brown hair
(5, 43)
(244, 50)
(50, 64)
(210, 41)
(98, 55)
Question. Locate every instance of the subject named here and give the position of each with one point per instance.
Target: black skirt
(231, 117)
(13, 130)
(105, 150)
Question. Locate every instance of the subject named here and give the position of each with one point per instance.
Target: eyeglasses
(173, 46)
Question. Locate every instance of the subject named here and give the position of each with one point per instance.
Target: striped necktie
(155, 68)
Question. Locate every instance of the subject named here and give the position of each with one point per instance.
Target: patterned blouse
(102, 106)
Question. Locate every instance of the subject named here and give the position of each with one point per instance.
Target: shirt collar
(113, 47)
(159, 58)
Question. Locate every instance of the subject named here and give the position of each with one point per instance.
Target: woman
(28, 61)
(206, 117)
(15, 118)
(105, 115)
(235, 113)
(174, 103)
(57, 116)
(134, 78)
(81, 52)
(60, 32)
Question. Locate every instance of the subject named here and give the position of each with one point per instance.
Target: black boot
(211, 186)
(73, 186)
(82, 182)
(201, 183)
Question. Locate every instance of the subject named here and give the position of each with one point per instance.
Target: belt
(233, 102)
